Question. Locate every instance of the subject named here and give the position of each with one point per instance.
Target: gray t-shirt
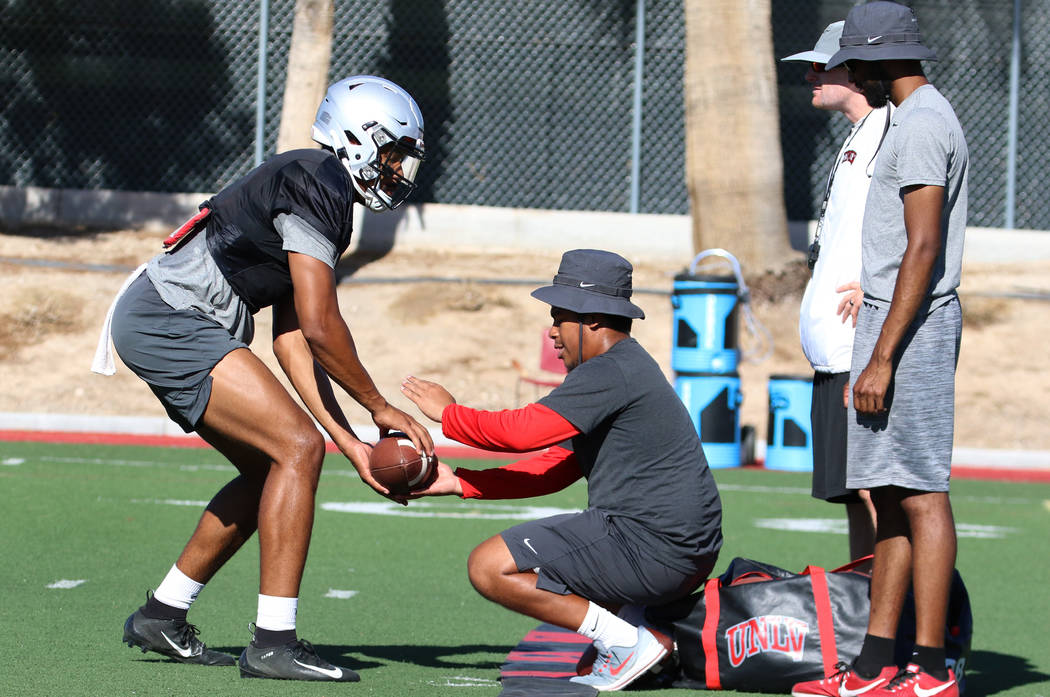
(641, 455)
(189, 279)
(925, 145)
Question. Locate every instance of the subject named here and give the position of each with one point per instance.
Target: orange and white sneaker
(913, 681)
(844, 682)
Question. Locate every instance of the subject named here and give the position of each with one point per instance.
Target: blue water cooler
(713, 402)
(705, 324)
(789, 440)
(705, 354)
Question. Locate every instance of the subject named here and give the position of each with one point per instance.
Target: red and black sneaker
(913, 681)
(844, 682)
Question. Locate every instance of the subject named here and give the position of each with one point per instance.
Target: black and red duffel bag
(760, 628)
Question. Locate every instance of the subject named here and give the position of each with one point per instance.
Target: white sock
(601, 625)
(177, 589)
(276, 613)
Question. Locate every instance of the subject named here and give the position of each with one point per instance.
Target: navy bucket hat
(879, 31)
(592, 281)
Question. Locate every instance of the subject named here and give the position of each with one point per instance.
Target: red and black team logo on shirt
(849, 156)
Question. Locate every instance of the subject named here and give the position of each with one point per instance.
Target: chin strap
(581, 341)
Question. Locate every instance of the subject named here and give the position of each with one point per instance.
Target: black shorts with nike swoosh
(588, 555)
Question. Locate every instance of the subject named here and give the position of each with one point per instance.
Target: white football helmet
(376, 130)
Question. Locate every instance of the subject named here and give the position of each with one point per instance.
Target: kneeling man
(653, 525)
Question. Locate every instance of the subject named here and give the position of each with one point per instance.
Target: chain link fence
(973, 40)
(527, 103)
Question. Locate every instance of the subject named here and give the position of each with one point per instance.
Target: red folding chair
(551, 369)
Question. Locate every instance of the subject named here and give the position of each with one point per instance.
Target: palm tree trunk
(307, 82)
(733, 158)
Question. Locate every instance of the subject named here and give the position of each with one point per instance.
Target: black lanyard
(814, 249)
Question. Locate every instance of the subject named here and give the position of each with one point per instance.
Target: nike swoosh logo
(874, 38)
(334, 673)
(845, 692)
(184, 652)
(587, 285)
(623, 664)
(526, 543)
(935, 691)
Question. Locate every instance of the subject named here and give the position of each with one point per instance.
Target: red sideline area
(1002, 474)
(997, 474)
(194, 441)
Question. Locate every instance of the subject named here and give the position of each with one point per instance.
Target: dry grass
(773, 286)
(465, 334)
(420, 302)
(979, 311)
(36, 313)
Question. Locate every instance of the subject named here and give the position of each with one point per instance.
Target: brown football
(396, 465)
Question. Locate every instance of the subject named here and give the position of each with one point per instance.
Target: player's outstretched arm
(538, 475)
(317, 311)
(311, 383)
(531, 427)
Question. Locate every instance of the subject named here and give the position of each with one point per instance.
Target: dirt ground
(464, 332)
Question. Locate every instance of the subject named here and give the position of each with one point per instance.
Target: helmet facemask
(375, 129)
(389, 178)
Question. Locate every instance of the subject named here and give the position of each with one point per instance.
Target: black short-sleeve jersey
(311, 184)
(641, 454)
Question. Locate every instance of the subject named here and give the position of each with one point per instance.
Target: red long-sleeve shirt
(515, 431)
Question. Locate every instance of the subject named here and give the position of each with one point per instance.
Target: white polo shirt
(827, 341)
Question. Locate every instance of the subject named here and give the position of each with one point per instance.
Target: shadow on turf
(989, 673)
(426, 656)
(357, 657)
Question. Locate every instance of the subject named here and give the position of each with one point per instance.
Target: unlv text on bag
(767, 633)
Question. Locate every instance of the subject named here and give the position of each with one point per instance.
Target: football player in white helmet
(375, 129)
(271, 239)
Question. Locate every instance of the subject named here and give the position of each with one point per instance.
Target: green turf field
(387, 594)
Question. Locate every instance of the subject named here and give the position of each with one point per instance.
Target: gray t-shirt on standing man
(925, 146)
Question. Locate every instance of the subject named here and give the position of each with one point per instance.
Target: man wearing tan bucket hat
(900, 422)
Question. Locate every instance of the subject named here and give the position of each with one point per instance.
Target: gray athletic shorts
(174, 351)
(827, 416)
(586, 554)
(910, 445)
